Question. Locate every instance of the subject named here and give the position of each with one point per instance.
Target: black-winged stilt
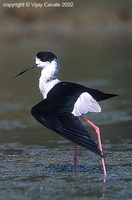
(63, 103)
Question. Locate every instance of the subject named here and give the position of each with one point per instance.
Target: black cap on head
(46, 56)
(43, 56)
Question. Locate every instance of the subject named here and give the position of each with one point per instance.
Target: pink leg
(99, 140)
(75, 157)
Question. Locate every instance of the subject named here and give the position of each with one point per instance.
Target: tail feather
(106, 96)
(100, 96)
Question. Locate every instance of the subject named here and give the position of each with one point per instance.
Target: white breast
(85, 103)
(45, 87)
(47, 79)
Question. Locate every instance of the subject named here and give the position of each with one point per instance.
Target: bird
(64, 103)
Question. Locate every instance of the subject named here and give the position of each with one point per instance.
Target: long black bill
(31, 67)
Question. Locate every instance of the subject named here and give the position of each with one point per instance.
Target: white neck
(48, 78)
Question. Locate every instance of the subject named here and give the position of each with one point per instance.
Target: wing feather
(66, 125)
(55, 112)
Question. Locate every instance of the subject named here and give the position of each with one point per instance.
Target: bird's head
(43, 59)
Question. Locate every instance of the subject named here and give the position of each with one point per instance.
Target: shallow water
(43, 168)
(36, 163)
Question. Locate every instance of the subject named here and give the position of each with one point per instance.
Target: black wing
(55, 113)
(71, 89)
